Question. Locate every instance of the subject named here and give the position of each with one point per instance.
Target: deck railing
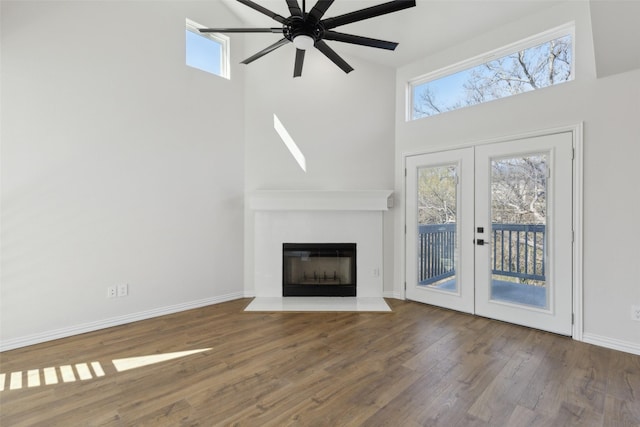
(436, 249)
(518, 251)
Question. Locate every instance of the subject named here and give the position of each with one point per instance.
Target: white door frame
(577, 214)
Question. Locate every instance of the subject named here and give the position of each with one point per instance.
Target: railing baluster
(526, 251)
(518, 252)
(510, 254)
(544, 243)
(452, 250)
(440, 253)
(502, 250)
(420, 257)
(495, 246)
(439, 263)
(432, 248)
(423, 263)
(535, 251)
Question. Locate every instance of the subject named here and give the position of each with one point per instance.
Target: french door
(489, 230)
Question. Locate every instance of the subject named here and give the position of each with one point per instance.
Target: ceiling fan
(306, 30)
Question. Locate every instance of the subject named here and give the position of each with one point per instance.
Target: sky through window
(540, 66)
(203, 53)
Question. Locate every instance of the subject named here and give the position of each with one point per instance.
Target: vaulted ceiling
(435, 25)
(429, 27)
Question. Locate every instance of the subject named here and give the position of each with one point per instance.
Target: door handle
(480, 242)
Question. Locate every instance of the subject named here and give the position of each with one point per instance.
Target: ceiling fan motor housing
(295, 26)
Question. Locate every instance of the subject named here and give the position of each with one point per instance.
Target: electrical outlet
(112, 292)
(635, 312)
(123, 290)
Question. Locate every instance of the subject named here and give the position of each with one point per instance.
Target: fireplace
(281, 216)
(319, 269)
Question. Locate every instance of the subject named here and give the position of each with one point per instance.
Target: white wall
(609, 109)
(119, 165)
(343, 125)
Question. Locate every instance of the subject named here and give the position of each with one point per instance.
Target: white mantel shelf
(302, 200)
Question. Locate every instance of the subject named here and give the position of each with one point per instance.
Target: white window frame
(532, 41)
(225, 43)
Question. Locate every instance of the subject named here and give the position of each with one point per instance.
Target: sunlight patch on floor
(50, 376)
(137, 362)
(81, 371)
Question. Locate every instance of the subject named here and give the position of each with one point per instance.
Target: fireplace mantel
(302, 200)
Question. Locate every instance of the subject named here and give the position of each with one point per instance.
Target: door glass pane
(437, 217)
(519, 219)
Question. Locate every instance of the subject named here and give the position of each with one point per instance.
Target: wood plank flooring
(416, 366)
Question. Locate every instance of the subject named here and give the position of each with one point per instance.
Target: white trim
(577, 131)
(300, 200)
(225, 42)
(612, 343)
(114, 321)
(529, 42)
(578, 215)
(403, 229)
(475, 143)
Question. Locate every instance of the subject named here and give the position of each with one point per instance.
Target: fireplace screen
(319, 269)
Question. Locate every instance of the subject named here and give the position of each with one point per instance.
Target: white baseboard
(612, 343)
(114, 321)
(392, 294)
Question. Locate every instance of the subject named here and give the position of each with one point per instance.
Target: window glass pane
(203, 53)
(437, 218)
(518, 221)
(544, 65)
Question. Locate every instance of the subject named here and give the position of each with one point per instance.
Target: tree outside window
(544, 65)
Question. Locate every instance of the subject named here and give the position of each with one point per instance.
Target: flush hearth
(319, 269)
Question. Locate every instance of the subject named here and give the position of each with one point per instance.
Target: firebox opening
(319, 269)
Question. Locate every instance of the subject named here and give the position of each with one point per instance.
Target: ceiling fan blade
(318, 11)
(240, 30)
(266, 50)
(294, 8)
(297, 69)
(329, 53)
(369, 12)
(363, 41)
(263, 10)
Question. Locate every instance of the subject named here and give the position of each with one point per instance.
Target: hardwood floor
(417, 366)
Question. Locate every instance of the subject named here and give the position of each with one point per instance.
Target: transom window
(207, 51)
(537, 62)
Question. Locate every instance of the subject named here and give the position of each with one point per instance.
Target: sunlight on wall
(291, 145)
